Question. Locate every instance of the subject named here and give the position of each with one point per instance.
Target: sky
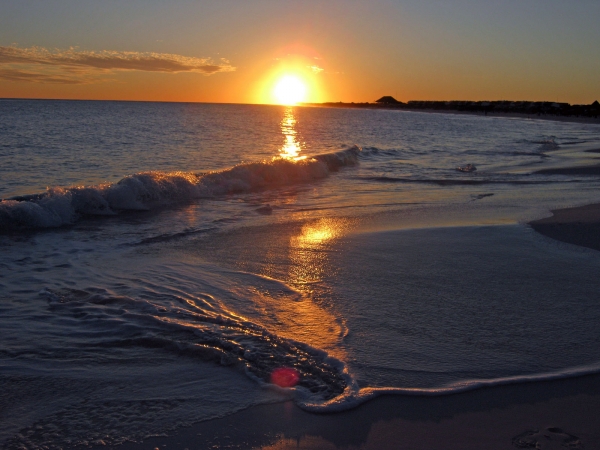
(235, 51)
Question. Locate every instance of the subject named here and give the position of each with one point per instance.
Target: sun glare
(290, 90)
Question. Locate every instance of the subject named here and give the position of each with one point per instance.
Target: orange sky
(233, 51)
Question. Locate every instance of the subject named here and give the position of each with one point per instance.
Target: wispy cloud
(315, 68)
(23, 75)
(74, 66)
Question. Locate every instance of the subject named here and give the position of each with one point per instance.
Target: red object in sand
(285, 377)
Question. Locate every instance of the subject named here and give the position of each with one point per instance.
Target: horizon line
(272, 104)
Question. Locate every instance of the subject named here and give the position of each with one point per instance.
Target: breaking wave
(147, 190)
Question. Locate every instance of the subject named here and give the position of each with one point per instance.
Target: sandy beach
(551, 414)
(543, 415)
(579, 226)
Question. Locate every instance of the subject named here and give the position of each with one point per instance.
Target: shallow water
(174, 265)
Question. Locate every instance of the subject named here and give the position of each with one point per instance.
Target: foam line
(354, 396)
(148, 190)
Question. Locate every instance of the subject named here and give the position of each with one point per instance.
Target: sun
(290, 90)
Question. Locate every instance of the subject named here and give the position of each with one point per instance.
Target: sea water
(160, 262)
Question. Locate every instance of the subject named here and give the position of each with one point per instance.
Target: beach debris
(467, 168)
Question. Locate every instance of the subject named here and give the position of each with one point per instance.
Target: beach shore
(552, 117)
(579, 225)
(554, 414)
(551, 414)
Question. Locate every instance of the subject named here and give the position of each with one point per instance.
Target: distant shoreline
(515, 116)
(579, 225)
(475, 112)
(399, 107)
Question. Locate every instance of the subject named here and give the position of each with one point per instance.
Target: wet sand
(551, 414)
(554, 414)
(579, 226)
(579, 170)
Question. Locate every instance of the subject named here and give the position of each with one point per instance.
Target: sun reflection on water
(303, 316)
(308, 250)
(291, 147)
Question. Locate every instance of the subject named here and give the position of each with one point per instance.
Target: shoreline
(373, 106)
(588, 120)
(552, 414)
(556, 413)
(555, 118)
(579, 225)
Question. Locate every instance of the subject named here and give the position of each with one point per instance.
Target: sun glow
(289, 79)
(290, 90)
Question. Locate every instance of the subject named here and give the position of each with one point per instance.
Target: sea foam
(148, 190)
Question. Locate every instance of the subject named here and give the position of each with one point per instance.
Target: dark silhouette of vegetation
(388, 99)
(485, 107)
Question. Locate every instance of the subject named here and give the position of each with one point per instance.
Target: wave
(148, 190)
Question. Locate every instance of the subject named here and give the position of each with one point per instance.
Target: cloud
(315, 68)
(22, 75)
(73, 66)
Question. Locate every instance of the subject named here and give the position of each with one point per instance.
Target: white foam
(148, 190)
(354, 396)
(52, 210)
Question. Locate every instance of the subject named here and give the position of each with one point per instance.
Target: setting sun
(290, 90)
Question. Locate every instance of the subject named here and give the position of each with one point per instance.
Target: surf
(144, 191)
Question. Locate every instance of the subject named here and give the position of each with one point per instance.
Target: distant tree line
(505, 106)
(499, 106)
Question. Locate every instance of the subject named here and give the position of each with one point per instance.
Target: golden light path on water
(303, 317)
(291, 147)
(309, 264)
(309, 250)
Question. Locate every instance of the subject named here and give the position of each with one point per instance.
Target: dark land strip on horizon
(545, 109)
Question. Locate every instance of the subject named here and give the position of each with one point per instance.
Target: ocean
(164, 264)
